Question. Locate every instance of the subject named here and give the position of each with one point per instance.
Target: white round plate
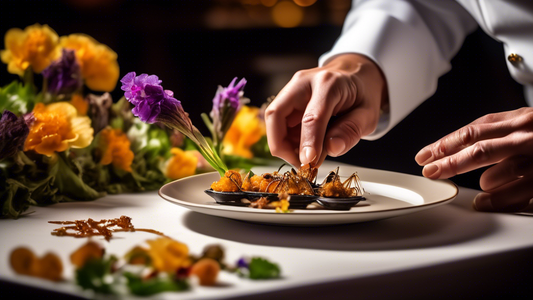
(388, 194)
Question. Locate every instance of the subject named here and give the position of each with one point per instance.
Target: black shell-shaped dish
(339, 203)
(231, 198)
(244, 198)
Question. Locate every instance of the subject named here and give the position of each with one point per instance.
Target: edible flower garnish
(154, 104)
(257, 268)
(168, 255)
(226, 103)
(282, 205)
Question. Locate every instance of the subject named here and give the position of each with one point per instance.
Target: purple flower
(229, 96)
(13, 133)
(243, 263)
(133, 86)
(226, 104)
(152, 103)
(64, 75)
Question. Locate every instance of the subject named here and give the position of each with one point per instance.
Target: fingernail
(483, 202)
(336, 146)
(430, 170)
(309, 155)
(423, 157)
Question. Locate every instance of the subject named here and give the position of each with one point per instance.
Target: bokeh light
(269, 3)
(287, 14)
(304, 3)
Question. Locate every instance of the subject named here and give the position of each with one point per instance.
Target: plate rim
(302, 212)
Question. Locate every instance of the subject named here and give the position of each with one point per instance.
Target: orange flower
(246, 130)
(58, 127)
(36, 46)
(181, 164)
(98, 63)
(80, 104)
(168, 255)
(116, 149)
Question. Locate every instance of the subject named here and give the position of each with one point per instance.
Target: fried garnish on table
(104, 227)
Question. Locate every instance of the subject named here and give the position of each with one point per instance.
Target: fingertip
(307, 155)
(483, 202)
(431, 171)
(423, 157)
(335, 146)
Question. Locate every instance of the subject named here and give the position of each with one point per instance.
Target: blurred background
(194, 46)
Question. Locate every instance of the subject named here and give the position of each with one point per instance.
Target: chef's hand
(350, 87)
(504, 139)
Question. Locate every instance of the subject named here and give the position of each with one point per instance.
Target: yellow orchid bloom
(37, 46)
(98, 63)
(181, 164)
(115, 146)
(56, 128)
(168, 255)
(246, 130)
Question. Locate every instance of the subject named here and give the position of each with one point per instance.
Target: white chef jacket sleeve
(411, 41)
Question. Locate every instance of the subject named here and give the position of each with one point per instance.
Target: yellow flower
(168, 255)
(181, 164)
(116, 149)
(80, 104)
(58, 127)
(98, 63)
(36, 46)
(246, 130)
(282, 205)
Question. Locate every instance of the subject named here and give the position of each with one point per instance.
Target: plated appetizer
(298, 188)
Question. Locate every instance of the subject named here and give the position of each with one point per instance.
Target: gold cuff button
(513, 57)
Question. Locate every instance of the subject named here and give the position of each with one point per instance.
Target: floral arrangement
(69, 141)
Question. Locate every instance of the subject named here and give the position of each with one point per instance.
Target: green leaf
(14, 198)
(70, 185)
(23, 183)
(96, 275)
(158, 143)
(17, 98)
(155, 285)
(261, 268)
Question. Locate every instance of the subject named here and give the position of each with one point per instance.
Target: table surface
(446, 248)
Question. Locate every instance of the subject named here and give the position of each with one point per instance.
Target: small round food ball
(22, 260)
(206, 269)
(49, 267)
